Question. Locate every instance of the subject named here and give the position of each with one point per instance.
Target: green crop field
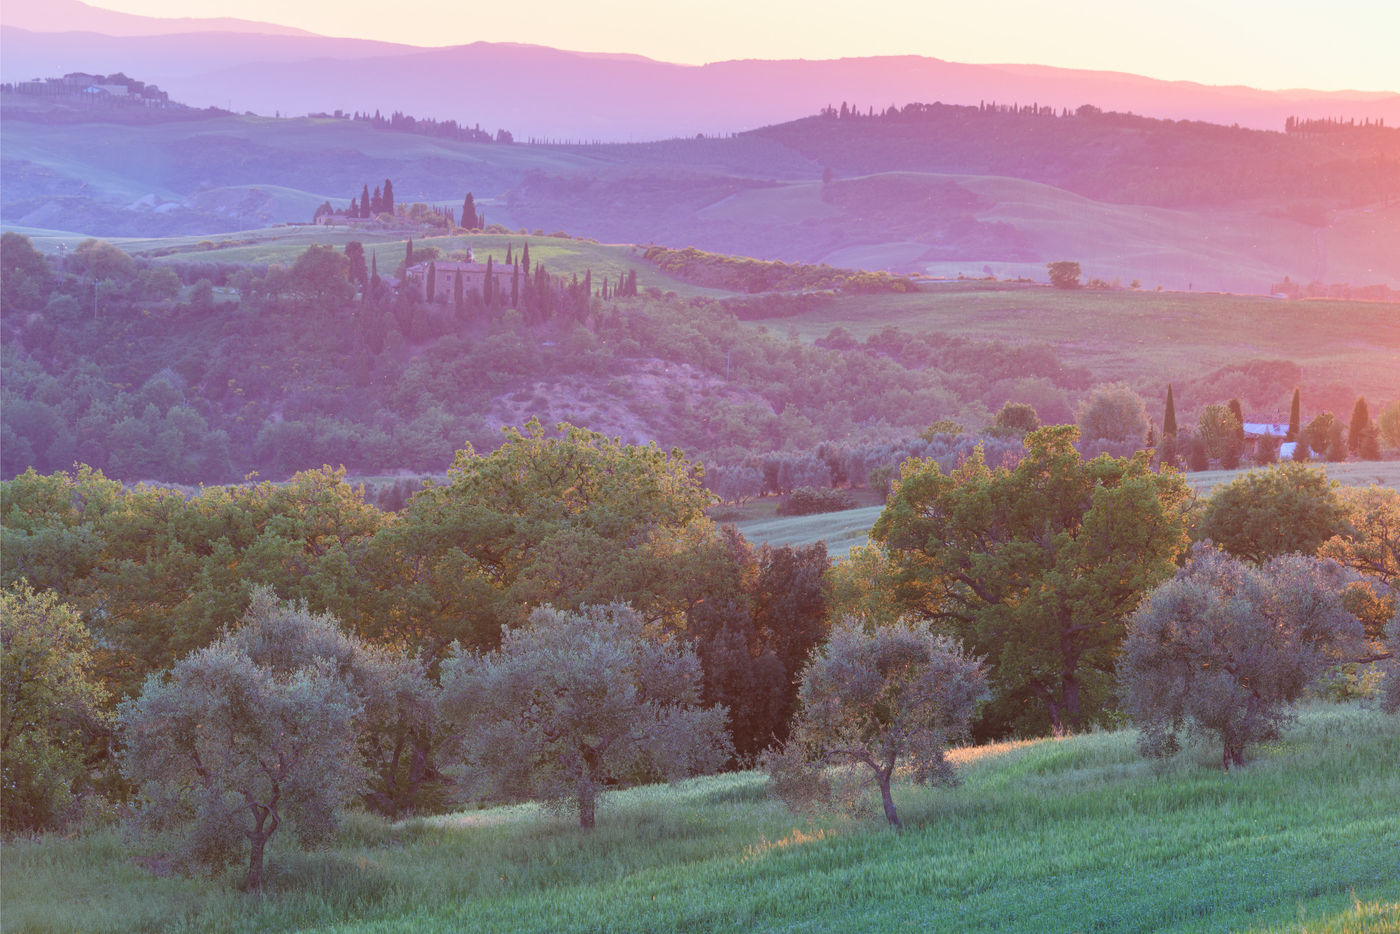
(1136, 335)
(1075, 834)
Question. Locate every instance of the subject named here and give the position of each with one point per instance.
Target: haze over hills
(543, 92)
(944, 190)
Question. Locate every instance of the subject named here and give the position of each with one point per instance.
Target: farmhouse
(1254, 431)
(444, 276)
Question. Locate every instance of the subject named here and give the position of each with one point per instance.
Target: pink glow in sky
(1272, 44)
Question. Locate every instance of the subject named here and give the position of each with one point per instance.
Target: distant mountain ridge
(76, 16)
(550, 93)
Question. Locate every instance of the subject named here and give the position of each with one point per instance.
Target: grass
(1125, 334)
(1047, 835)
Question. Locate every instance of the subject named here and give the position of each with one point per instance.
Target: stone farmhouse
(444, 276)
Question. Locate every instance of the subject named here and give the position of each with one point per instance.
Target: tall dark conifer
(364, 201)
(1295, 416)
(525, 259)
(469, 220)
(376, 202)
(1360, 425)
(509, 261)
(432, 281)
(488, 286)
(388, 197)
(515, 285)
(1169, 418)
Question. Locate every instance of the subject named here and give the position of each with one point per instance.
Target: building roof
(1259, 429)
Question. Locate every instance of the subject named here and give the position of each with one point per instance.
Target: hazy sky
(1320, 44)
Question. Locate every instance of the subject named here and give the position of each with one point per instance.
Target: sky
(1272, 44)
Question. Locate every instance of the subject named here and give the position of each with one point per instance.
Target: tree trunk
(883, 777)
(255, 862)
(586, 798)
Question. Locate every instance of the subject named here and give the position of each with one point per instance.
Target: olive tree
(245, 734)
(1225, 648)
(50, 705)
(878, 699)
(578, 701)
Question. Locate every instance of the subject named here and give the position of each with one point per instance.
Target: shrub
(807, 500)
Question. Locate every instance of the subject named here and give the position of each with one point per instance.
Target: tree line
(558, 617)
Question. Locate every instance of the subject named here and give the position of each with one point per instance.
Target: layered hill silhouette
(1177, 196)
(556, 94)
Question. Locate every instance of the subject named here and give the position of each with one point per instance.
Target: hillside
(582, 96)
(1071, 834)
(944, 191)
(241, 358)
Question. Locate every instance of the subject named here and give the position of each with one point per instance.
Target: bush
(807, 500)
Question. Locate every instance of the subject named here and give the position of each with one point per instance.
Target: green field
(1075, 834)
(1140, 335)
(844, 530)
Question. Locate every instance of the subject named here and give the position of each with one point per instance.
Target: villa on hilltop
(443, 276)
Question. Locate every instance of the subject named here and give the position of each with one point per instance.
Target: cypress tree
(469, 212)
(1237, 410)
(364, 201)
(376, 202)
(488, 290)
(1295, 416)
(408, 259)
(432, 281)
(525, 259)
(1169, 418)
(373, 277)
(508, 259)
(515, 285)
(354, 209)
(1360, 424)
(388, 197)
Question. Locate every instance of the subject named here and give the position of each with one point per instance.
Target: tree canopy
(244, 734)
(1035, 567)
(881, 698)
(1226, 647)
(577, 701)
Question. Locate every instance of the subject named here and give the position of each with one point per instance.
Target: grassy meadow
(1075, 834)
(1128, 334)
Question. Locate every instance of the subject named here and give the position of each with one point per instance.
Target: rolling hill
(1318, 207)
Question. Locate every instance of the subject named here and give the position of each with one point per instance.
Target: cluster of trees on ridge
(992, 600)
(1105, 155)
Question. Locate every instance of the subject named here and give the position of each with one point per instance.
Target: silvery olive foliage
(1225, 648)
(577, 701)
(878, 699)
(238, 738)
